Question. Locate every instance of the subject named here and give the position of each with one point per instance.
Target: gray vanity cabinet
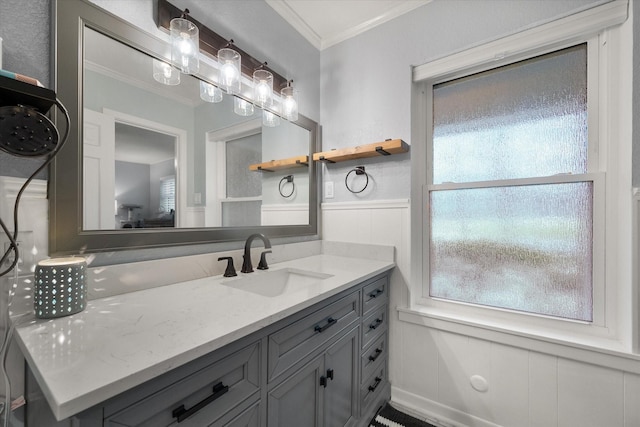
(325, 366)
(321, 393)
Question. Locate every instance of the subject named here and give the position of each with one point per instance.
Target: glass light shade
(289, 103)
(242, 107)
(270, 119)
(165, 73)
(185, 45)
(209, 92)
(230, 70)
(263, 88)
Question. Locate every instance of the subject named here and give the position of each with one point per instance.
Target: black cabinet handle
(181, 414)
(323, 381)
(330, 322)
(375, 293)
(376, 323)
(373, 358)
(376, 384)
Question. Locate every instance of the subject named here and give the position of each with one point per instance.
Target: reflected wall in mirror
(150, 164)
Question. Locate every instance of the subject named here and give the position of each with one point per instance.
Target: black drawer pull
(376, 293)
(378, 353)
(181, 414)
(375, 324)
(376, 384)
(330, 322)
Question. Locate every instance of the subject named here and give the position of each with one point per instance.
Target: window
(511, 200)
(520, 185)
(168, 194)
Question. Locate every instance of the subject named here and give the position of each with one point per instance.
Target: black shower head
(26, 132)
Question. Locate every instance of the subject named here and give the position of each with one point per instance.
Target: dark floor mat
(388, 416)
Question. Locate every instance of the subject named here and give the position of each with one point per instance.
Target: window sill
(597, 351)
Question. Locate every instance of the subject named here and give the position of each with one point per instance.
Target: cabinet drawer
(374, 325)
(293, 343)
(375, 294)
(371, 357)
(200, 398)
(249, 417)
(372, 387)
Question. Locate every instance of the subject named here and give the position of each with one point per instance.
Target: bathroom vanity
(301, 344)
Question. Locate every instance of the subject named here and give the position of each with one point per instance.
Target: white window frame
(609, 103)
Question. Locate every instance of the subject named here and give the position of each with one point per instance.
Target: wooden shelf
(385, 148)
(274, 165)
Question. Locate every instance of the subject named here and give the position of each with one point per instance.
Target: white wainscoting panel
(284, 214)
(33, 231)
(383, 222)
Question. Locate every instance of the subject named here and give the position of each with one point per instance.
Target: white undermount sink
(276, 282)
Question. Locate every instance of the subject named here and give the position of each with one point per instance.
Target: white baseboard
(434, 412)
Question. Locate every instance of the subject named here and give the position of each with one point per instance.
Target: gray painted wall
(366, 80)
(26, 49)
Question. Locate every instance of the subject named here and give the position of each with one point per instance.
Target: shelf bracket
(323, 159)
(298, 162)
(379, 150)
(261, 169)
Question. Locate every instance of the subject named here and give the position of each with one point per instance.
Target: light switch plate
(328, 190)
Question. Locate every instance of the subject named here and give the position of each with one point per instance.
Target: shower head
(25, 132)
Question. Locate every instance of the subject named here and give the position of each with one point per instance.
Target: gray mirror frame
(66, 235)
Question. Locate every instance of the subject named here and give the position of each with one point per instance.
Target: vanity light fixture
(242, 107)
(209, 92)
(263, 87)
(185, 44)
(164, 73)
(289, 102)
(230, 69)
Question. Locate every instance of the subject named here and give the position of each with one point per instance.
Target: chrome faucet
(247, 267)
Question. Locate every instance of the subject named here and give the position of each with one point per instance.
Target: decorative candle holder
(60, 287)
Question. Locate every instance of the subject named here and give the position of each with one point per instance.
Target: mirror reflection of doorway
(132, 165)
(144, 177)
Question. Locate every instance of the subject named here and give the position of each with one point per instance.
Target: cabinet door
(340, 395)
(297, 401)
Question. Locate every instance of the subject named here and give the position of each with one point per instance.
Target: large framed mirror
(149, 164)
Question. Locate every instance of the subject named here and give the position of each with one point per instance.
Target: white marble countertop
(122, 341)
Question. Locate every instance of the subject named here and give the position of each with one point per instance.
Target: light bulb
(230, 66)
(185, 45)
(229, 74)
(289, 104)
(242, 107)
(165, 73)
(263, 88)
(270, 119)
(209, 92)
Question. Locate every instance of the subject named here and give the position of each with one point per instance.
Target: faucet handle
(262, 265)
(230, 271)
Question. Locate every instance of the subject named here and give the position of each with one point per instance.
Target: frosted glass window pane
(241, 213)
(527, 119)
(525, 248)
(241, 153)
